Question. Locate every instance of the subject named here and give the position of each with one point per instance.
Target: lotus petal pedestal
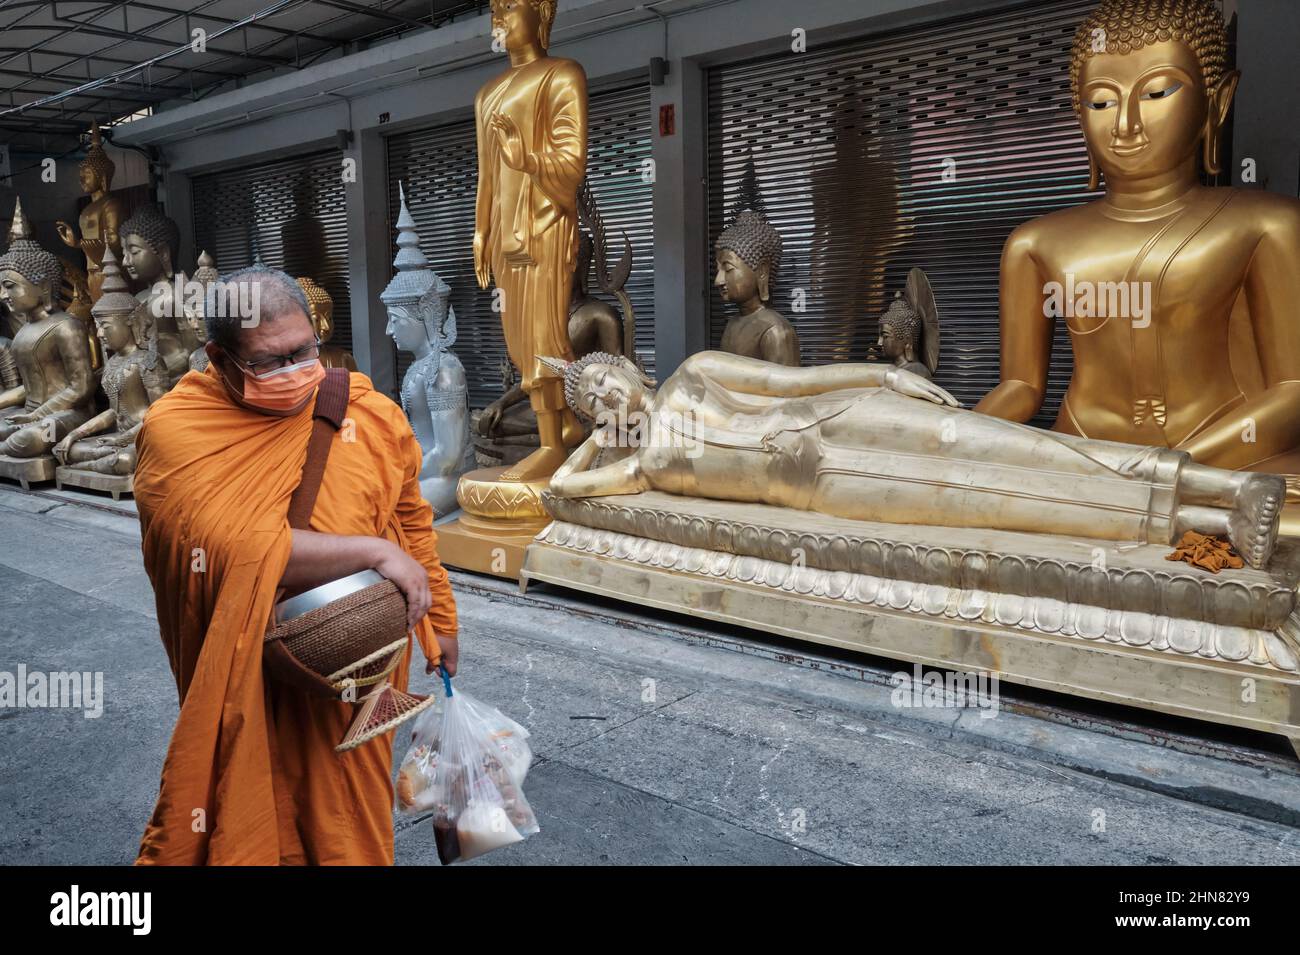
(1107, 621)
(498, 520)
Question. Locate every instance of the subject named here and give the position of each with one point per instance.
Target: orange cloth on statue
(251, 776)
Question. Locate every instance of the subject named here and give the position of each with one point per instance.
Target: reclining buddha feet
(1253, 526)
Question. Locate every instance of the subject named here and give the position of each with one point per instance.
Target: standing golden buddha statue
(1179, 297)
(532, 156)
(532, 148)
(57, 392)
(101, 220)
(321, 306)
(100, 453)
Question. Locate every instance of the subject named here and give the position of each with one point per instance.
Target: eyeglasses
(265, 366)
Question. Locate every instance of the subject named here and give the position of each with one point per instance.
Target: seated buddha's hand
(489, 419)
(914, 386)
(60, 450)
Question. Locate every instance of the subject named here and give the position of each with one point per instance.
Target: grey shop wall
(439, 168)
(850, 145)
(291, 213)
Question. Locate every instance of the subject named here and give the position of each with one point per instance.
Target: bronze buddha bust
(748, 257)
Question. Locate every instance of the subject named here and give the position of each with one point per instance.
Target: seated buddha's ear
(1220, 102)
(764, 276)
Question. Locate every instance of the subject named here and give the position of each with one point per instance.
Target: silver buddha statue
(434, 393)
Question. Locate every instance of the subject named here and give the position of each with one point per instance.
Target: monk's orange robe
(251, 776)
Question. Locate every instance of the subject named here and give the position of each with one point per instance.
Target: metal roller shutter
(439, 169)
(851, 145)
(290, 212)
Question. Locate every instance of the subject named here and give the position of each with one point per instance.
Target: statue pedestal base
(498, 520)
(27, 471)
(115, 484)
(1128, 628)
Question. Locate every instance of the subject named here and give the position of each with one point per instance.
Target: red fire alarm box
(667, 119)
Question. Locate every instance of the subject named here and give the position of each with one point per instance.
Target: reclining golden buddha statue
(869, 442)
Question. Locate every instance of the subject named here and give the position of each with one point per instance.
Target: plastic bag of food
(466, 765)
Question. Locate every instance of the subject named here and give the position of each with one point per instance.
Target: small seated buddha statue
(1179, 297)
(149, 244)
(322, 319)
(909, 328)
(133, 378)
(194, 325)
(435, 395)
(57, 390)
(748, 257)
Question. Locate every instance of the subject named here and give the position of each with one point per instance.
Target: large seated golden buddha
(1180, 298)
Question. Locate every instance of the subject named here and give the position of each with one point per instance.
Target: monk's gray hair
(248, 297)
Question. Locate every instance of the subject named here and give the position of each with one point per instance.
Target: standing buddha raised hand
(1179, 298)
(532, 155)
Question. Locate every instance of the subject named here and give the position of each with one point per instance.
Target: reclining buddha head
(1151, 87)
(600, 384)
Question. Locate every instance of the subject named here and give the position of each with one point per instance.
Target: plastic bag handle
(446, 681)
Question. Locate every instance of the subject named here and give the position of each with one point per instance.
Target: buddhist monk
(251, 776)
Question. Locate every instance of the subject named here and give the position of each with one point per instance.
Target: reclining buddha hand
(914, 386)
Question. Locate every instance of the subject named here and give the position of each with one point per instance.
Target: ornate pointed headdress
(417, 285)
(206, 273)
(750, 235)
(28, 259)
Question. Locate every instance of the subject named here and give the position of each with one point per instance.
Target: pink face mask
(285, 389)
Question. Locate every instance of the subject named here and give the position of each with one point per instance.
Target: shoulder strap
(327, 418)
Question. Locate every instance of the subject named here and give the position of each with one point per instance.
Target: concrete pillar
(681, 219)
(370, 259)
(1268, 100)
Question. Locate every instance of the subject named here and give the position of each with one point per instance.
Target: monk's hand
(914, 386)
(410, 576)
(509, 141)
(450, 648)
